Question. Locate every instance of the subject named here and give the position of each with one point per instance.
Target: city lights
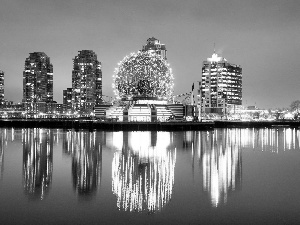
(143, 74)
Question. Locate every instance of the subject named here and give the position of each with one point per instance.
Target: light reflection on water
(143, 171)
(220, 157)
(142, 165)
(37, 162)
(144, 162)
(273, 140)
(3, 144)
(86, 151)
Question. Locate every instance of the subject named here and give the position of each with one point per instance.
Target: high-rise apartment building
(86, 82)
(37, 82)
(1, 87)
(154, 45)
(67, 100)
(220, 85)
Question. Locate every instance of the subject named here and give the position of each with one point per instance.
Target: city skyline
(258, 35)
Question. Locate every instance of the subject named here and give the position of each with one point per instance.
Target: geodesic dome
(143, 74)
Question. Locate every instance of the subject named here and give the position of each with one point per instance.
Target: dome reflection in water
(143, 171)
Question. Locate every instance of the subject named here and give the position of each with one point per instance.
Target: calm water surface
(222, 176)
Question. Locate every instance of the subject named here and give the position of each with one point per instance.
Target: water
(222, 176)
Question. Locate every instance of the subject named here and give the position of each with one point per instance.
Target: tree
(295, 106)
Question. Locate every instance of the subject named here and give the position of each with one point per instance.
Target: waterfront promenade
(140, 126)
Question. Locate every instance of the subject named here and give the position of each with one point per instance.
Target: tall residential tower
(220, 85)
(86, 82)
(1, 87)
(37, 82)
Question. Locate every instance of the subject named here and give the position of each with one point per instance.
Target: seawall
(141, 126)
(109, 126)
(256, 124)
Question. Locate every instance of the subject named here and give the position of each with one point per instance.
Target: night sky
(263, 36)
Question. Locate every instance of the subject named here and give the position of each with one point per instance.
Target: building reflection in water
(86, 151)
(276, 140)
(144, 162)
(221, 163)
(219, 152)
(37, 161)
(7, 136)
(3, 138)
(143, 170)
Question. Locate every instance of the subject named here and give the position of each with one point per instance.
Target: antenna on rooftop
(214, 48)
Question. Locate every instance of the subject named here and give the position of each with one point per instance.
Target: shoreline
(106, 126)
(141, 126)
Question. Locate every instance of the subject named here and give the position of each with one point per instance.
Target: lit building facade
(67, 100)
(154, 45)
(143, 83)
(220, 87)
(86, 82)
(37, 82)
(1, 87)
